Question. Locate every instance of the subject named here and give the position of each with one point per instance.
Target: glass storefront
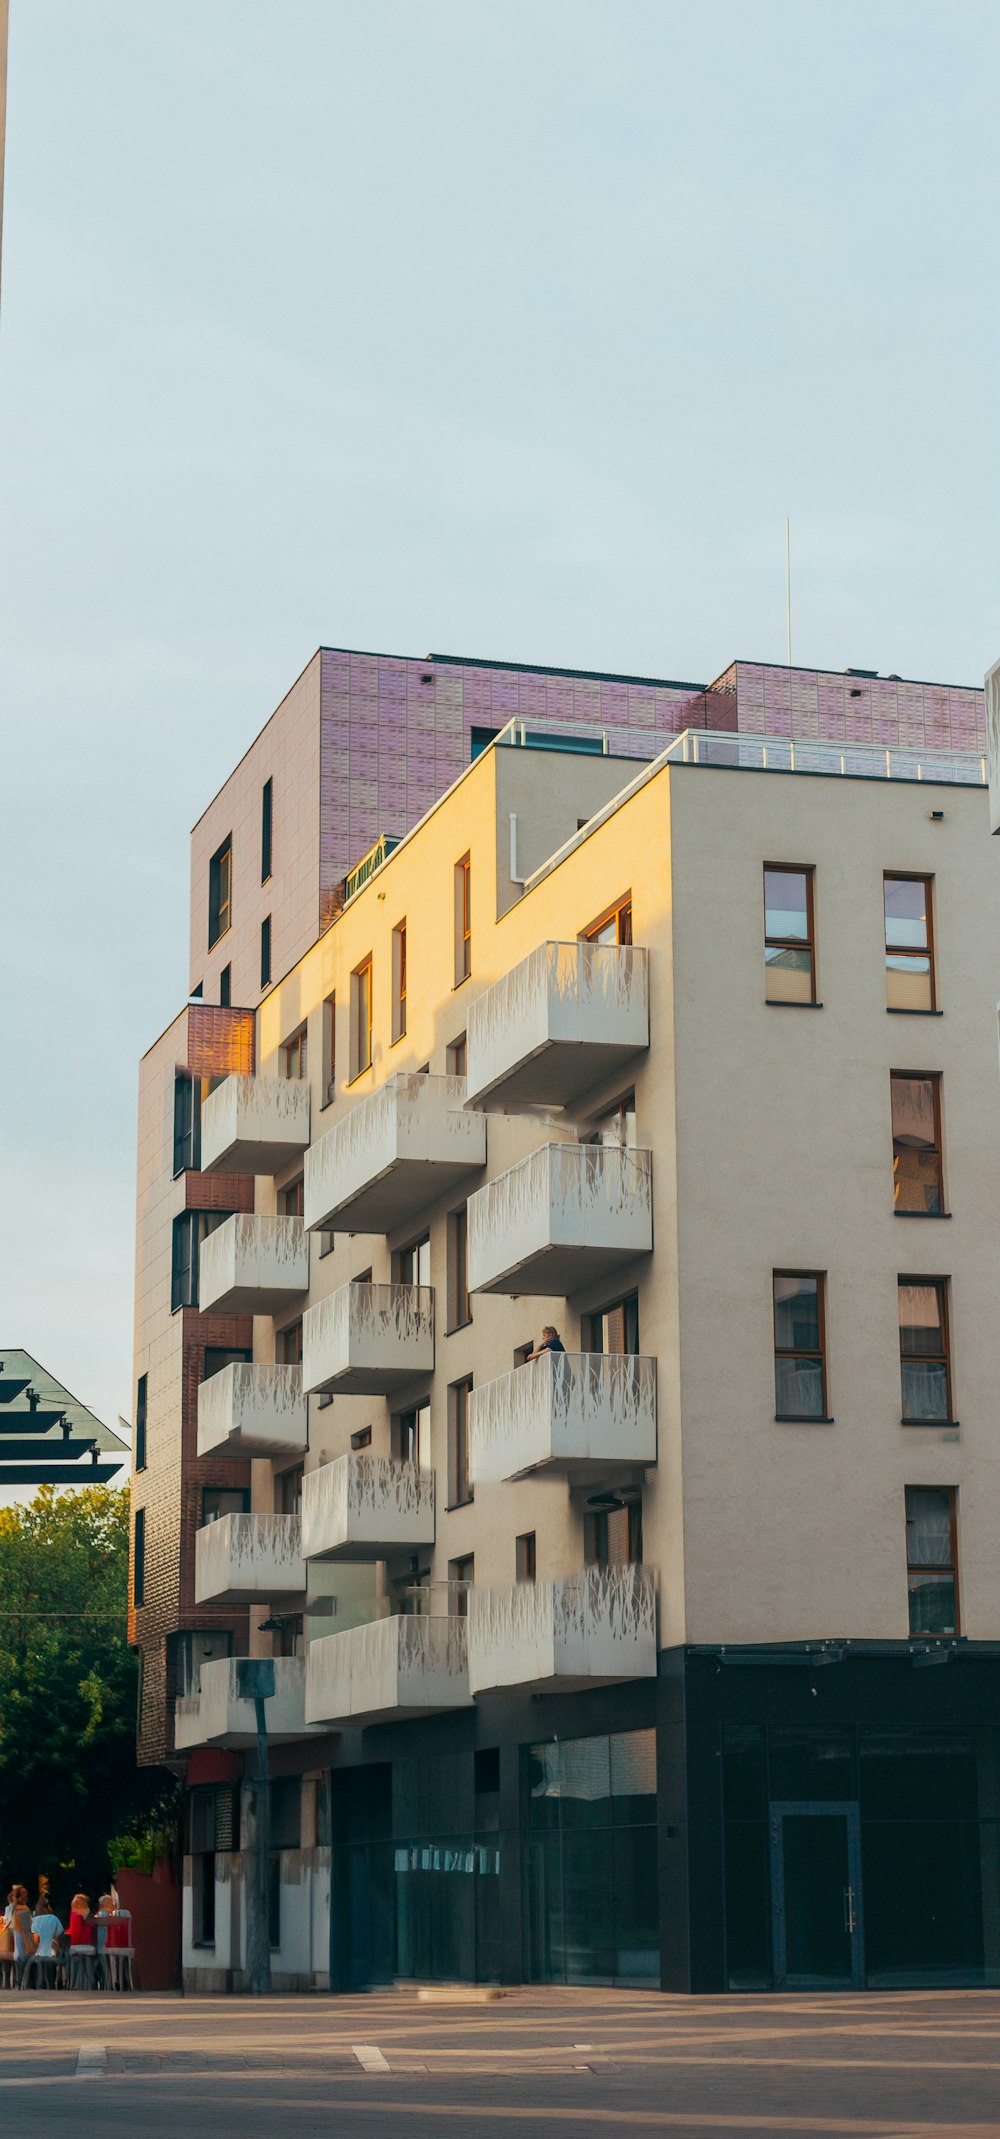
(922, 1895)
(590, 1860)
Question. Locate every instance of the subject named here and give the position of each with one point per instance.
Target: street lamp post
(255, 1682)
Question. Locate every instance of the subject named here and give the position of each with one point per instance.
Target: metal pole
(788, 584)
(255, 1681)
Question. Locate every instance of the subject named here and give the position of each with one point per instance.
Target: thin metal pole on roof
(788, 584)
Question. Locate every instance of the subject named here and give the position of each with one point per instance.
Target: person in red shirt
(81, 1928)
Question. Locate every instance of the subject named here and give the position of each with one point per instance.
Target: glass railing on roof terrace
(856, 761)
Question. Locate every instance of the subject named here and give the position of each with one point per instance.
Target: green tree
(68, 1777)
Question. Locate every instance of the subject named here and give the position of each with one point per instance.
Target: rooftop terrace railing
(856, 761)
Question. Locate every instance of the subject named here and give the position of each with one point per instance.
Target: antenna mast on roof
(788, 584)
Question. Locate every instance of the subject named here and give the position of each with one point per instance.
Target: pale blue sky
(510, 329)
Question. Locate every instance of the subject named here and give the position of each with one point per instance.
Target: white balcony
(363, 1507)
(586, 1629)
(364, 1340)
(396, 1152)
(253, 1265)
(567, 1215)
(387, 1670)
(249, 1409)
(575, 1413)
(254, 1125)
(568, 1015)
(246, 1559)
(217, 1716)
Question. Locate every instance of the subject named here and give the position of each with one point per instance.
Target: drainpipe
(255, 1682)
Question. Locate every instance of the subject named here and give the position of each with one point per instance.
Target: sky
(509, 328)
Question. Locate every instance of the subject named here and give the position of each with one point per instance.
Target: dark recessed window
(932, 1559)
(226, 987)
(459, 1483)
(139, 1559)
(187, 1123)
(140, 1423)
(799, 1346)
(265, 952)
(220, 891)
(266, 808)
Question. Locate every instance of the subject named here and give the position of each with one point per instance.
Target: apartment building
(669, 1657)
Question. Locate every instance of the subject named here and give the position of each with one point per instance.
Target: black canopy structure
(47, 1436)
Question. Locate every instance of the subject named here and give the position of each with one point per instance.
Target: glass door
(816, 1897)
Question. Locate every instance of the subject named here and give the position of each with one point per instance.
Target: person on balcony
(551, 1342)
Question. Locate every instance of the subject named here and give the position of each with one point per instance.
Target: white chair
(118, 1967)
(83, 1968)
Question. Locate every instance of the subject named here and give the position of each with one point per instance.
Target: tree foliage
(68, 1778)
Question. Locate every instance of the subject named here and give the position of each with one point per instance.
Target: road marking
(369, 2057)
(92, 2061)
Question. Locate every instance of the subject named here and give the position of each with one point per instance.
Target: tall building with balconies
(579, 1256)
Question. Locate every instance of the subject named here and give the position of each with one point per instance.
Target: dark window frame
(773, 942)
(461, 1491)
(141, 1407)
(950, 1567)
(785, 1351)
(910, 950)
(266, 829)
(942, 1286)
(933, 1151)
(139, 1561)
(220, 892)
(265, 952)
(620, 912)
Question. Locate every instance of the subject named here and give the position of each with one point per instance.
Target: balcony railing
(571, 1412)
(395, 1152)
(386, 1670)
(252, 1409)
(254, 1125)
(253, 1265)
(568, 1214)
(568, 1015)
(217, 1716)
(364, 1507)
(581, 1630)
(243, 1559)
(368, 1339)
(855, 761)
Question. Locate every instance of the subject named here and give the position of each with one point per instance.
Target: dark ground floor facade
(813, 1818)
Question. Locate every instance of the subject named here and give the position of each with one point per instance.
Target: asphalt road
(536, 2064)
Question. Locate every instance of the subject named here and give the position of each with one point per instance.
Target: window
(189, 1230)
(524, 1557)
(219, 1500)
(187, 1123)
(461, 1575)
(399, 981)
(329, 1049)
(291, 1198)
(459, 1488)
(361, 1018)
(220, 891)
(290, 1638)
(909, 943)
(932, 1558)
(615, 924)
(459, 1303)
(918, 1184)
(923, 1350)
(139, 1559)
(293, 1055)
(411, 1436)
(289, 1344)
(327, 1243)
(616, 1126)
(412, 1265)
(265, 952)
(463, 919)
(140, 1423)
(457, 1057)
(789, 942)
(614, 1328)
(217, 1356)
(266, 821)
(288, 1491)
(799, 1346)
(612, 1535)
(225, 987)
(363, 1438)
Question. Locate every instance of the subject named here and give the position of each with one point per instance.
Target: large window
(288, 1344)
(918, 1183)
(789, 938)
(459, 1487)
(590, 1855)
(189, 1230)
(932, 1559)
(909, 943)
(463, 919)
(288, 1491)
(292, 1198)
(361, 1018)
(459, 1301)
(924, 1361)
(187, 1122)
(411, 1436)
(412, 1265)
(461, 1576)
(799, 1345)
(220, 891)
(614, 1328)
(220, 1500)
(612, 1535)
(293, 1055)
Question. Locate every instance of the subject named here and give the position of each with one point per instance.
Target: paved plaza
(534, 2063)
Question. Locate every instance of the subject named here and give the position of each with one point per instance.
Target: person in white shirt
(49, 1929)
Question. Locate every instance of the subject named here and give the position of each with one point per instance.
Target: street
(915, 2065)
